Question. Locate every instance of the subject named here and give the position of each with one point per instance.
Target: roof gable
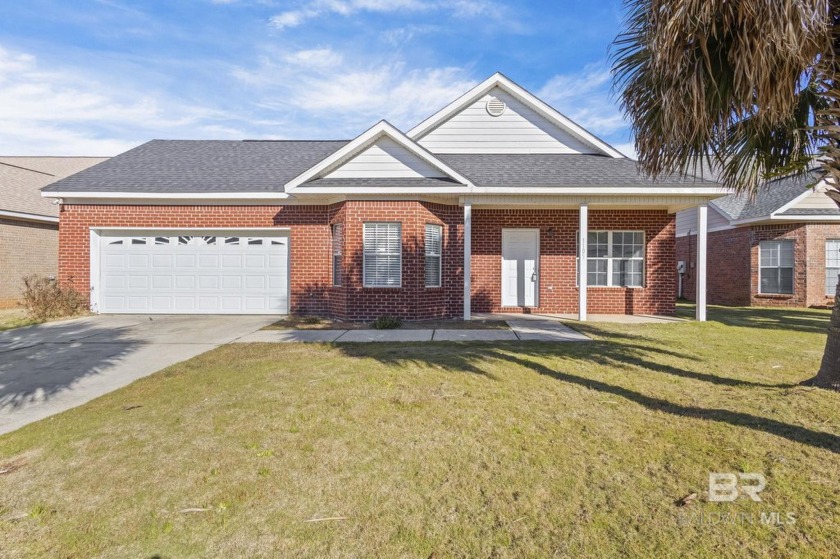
(385, 158)
(380, 152)
(527, 125)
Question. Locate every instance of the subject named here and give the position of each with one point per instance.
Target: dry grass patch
(445, 450)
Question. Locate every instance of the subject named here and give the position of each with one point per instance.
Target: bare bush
(45, 298)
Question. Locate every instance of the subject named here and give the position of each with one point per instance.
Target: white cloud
(319, 8)
(64, 112)
(347, 98)
(315, 58)
(585, 98)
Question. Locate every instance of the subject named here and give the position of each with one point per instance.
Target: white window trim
(340, 254)
(610, 259)
(793, 268)
(439, 256)
(827, 267)
(364, 263)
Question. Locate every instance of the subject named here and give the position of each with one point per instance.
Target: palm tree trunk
(829, 373)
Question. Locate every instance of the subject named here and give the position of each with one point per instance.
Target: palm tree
(751, 87)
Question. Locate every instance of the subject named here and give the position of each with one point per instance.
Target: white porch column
(700, 298)
(582, 264)
(467, 258)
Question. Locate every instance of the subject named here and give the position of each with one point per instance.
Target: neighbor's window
(383, 254)
(615, 258)
(832, 265)
(337, 243)
(776, 267)
(434, 234)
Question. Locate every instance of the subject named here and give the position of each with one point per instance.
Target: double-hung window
(382, 254)
(615, 258)
(776, 267)
(433, 244)
(337, 244)
(832, 265)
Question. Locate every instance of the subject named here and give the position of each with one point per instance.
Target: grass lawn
(15, 318)
(446, 450)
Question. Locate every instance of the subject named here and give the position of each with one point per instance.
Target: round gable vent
(495, 107)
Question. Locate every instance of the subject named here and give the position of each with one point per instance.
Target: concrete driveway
(52, 367)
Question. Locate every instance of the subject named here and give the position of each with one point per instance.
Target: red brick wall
(557, 291)
(728, 266)
(413, 300)
(312, 291)
(310, 239)
(733, 264)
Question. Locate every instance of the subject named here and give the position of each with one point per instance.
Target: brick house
(478, 208)
(29, 222)
(780, 248)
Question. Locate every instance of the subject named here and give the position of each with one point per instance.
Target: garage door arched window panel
(775, 267)
(382, 260)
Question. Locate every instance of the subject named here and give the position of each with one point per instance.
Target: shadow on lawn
(630, 355)
(795, 320)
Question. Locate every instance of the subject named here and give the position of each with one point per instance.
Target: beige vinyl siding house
(28, 221)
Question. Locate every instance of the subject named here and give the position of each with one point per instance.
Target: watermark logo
(727, 487)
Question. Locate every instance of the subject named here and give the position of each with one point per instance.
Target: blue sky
(98, 77)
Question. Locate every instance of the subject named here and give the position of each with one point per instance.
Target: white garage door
(183, 272)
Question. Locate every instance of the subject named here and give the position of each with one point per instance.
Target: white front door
(520, 267)
(192, 272)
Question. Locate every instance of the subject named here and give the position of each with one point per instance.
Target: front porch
(522, 258)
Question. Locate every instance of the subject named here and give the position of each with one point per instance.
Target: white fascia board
(711, 192)
(785, 219)
(709, 230)
(369, 137)
(798, 199)
(28, 216)
(169, 196)
(383, 192)
(249, 229)
(500, 80)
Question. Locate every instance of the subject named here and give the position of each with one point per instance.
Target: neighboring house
(29, 222)
(476, 209)
(780, 248)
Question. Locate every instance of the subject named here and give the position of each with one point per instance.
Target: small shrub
(311, 320)
(386, 323)
(45, 298)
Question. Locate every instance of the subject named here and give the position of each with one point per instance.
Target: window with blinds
(434, 245)
(832, 265)
(337, 244)
(382, 254)
(775, 273)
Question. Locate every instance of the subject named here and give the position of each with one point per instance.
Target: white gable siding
(519, 130)
(687, 221)
(385, 159)
(815, 201)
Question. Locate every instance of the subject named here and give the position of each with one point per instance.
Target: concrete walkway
(529, 329)
(53, 367)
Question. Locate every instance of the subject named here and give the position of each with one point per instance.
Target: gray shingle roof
(534, 170)
(193, 166)
(21, 179)
(768, 199)
(188, 166)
